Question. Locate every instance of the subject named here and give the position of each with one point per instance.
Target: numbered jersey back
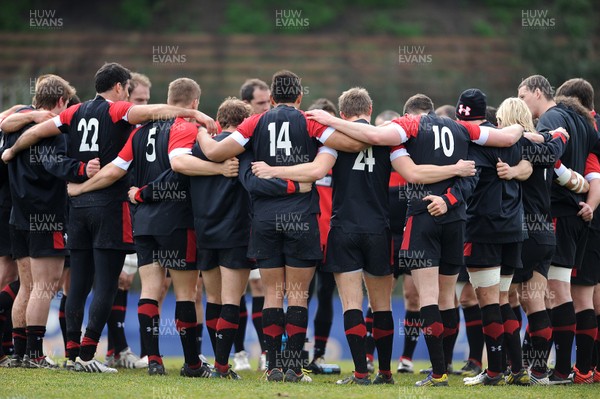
(150, 151)
(281, 138)
(96, 132)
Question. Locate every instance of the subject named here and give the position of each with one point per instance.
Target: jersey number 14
(282, 141)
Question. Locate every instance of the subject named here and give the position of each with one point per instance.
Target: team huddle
(490, 210)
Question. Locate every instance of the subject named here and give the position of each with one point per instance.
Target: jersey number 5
(85, 126)
(364, 158)
(446, 138)
(151, 155)
(282, 141)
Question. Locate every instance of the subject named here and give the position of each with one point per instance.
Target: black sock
(240, 335)
(199, 331)
(149, 319)
(512, 339)
(369, 341)
(273, 326)
(73, 338)
(474, 332)
(322, 330)
(433, 331)
(540, 332)
(185, 320)
(116, 322)
(383, 333)
(597, 346)
(63, 321)
(450, 321)
(257, 306)
(518, 315)
(493, 332)
(7, 298)
(296, 323)
(526, 348)
(213, 311)
(226, 331)
(20, 340)
(585, 335)
(35, 341)
(563, 333)
(411, 333)
(356, 331)
(7, 342)
(89, 344)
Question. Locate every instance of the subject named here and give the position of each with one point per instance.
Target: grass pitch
(136, 384)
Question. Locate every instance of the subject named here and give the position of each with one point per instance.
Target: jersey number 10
(446, 138)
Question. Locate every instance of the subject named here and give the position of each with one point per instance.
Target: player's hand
(74, 189)
(231, 167)
(323, 117)
(560, 130)
(305, 187)
(7, 155)
(92, 167)
(42, 116)
(437, 207)
(262, 170)
(586, 212)
(504, 170)
(131, 194)
(465, 168)
(207, 121)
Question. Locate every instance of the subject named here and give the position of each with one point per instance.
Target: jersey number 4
(364, 159)
(283, 139)
(446, 139)
(85, 127)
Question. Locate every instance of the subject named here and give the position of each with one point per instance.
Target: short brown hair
(183, 91)
(325, 105)
(138, 79)
(232, 112)
(247, 89)
(538, 82)
(580, 89)
(354, 102)
(49, 89)
(418, 103)
(286, 87)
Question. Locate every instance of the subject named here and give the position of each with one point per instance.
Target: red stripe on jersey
(410, 124)
(118, 110)
(451, 197)
(291, 187)
(573, 272)
(467, 249)
(138, 194)
(315, 129)
(81, 170)
(246, 128)
(324, 218)
(190, 247)
(58, 240)
(67, 115)
(406, 237)
(120, 308)
(554, 221)
(126, 152)
(126, 223)
(473, 130)
(591, 164)
(223, 324)
(396, 180)
(183, 135)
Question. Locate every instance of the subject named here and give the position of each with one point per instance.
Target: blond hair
(513, 111)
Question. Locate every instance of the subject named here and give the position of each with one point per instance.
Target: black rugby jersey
(282, 136)
(583, 139)
(150, 148)
(97, 128)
